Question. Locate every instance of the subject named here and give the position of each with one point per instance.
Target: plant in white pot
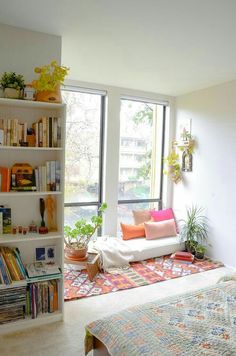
(77, 238)
(194, 229)
(12, 84)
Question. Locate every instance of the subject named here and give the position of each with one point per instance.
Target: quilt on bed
(199, 323)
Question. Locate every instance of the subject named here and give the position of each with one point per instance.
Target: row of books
(43, 178)
(41, 298)
(48, 177)
(12, 304)
(46, 132)
(11, 266)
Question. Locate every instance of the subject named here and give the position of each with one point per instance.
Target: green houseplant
(12, 84)
(194, 229)
(200, 252)
(77, 238)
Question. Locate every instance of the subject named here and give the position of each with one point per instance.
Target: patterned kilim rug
(77, 284)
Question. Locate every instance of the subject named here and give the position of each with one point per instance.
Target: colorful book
(6, 220)
(5, 173)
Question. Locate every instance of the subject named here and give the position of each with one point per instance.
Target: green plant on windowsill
(77, 238)
(194, 229)
(174, 169)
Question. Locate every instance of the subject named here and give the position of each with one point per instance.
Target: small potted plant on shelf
(200, 252)
(77, 238)
(12, 85)
(194, 229)
(49, 81)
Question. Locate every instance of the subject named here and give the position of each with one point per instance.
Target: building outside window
(141, 157)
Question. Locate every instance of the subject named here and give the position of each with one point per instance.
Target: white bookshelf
(25, 205)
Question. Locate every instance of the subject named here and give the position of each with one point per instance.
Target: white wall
(23, 50)
(212, 184)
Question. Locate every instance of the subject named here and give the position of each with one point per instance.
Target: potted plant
(77, 237)
(194, 228)
(12, 84)
(48, 83)
(200, 252)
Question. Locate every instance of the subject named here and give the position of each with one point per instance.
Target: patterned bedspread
(200, 323)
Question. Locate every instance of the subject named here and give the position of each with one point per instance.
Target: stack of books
(42, 270)
(182, 257)
(12, 304)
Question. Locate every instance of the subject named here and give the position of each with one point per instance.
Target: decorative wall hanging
(180, 157)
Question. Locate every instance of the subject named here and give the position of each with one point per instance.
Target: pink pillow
(141, 216)
(155, 230)
(161, 215)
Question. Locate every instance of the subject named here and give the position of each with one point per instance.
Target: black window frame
(103, 96)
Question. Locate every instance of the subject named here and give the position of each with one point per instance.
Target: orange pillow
(132, 231)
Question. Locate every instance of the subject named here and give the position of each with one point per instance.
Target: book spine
(40, 134)
(44, 122)
(3, 271)
(1, 222)
(53, 175)
(8, 143)
(50, 131)
(58, 176)
(18, 258)
(58, 132)
(48, 173)
(54, 130)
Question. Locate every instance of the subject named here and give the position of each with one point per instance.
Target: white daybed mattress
(143, 249)
(116, 252)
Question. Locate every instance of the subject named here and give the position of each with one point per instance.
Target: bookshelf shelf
(29, 193)
(9, 238)
(19, 148)
(30, 104)
(25, 205)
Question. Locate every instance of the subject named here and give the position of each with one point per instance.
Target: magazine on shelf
(39, 269)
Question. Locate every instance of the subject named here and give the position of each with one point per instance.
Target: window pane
(140, 150)
(74, 213)
(82, 146)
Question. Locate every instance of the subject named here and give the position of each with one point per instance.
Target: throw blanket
(199, 323)
(114, 253)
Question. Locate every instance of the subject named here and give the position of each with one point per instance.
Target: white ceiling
(164, 46)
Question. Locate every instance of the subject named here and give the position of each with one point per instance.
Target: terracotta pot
(51, 96)
(76, 254)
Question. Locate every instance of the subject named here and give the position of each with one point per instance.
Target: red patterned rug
(77, 284)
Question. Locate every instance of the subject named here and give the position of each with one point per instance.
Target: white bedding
(116, 252)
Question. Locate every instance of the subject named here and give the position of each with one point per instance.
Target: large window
(141, 157)
(84, 152)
